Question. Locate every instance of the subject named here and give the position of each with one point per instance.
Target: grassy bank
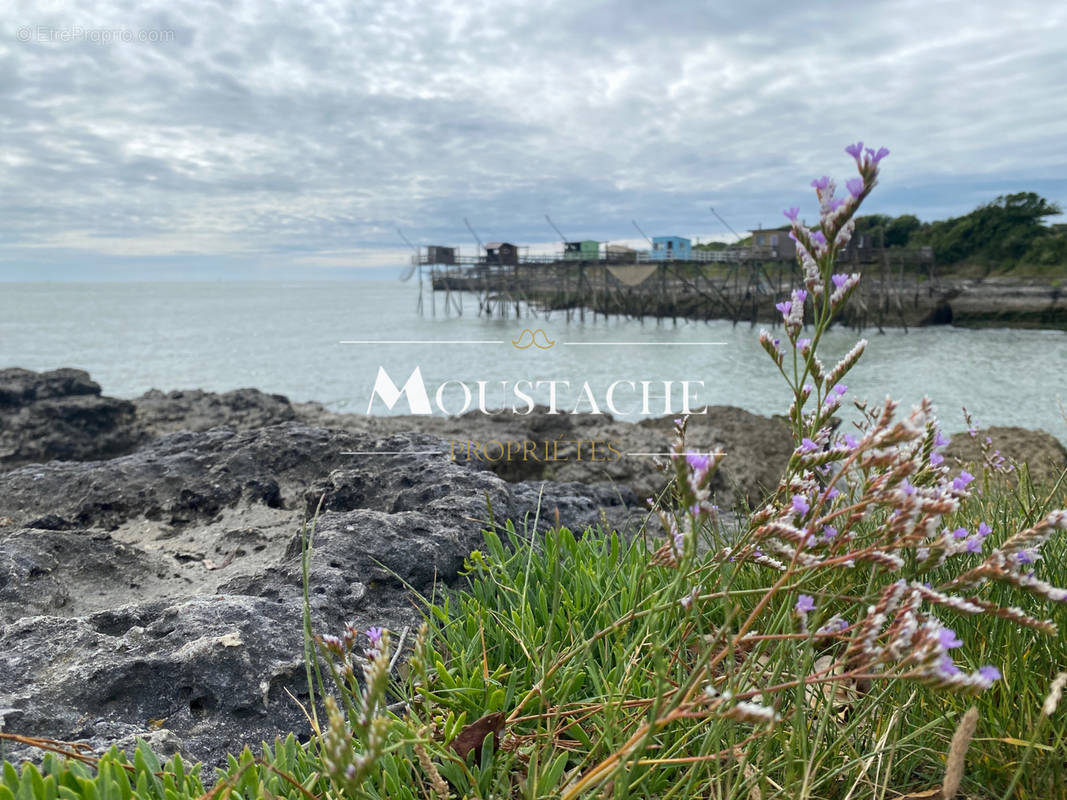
(566, 648)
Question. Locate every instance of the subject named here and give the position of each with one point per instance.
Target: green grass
(581, 643)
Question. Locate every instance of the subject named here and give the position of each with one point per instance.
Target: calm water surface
(285, 337)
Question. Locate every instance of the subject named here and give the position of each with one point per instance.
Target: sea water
(289, 338)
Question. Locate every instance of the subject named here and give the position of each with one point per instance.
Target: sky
(217, 140)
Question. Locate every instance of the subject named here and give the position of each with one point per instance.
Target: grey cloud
(285, 128)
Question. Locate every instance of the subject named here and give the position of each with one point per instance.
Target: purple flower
(940, 440)
(821, 183)
(800, 505)
(819, 238)
(791, 214)
(851, 442)
(805, 603)
(832, 627)
(800, 295)
(802, 343)
(808, 446)
(834, 492)
(785, 307)
(990, 673)
(855, 150)
(854, 186)
(839, 279)
(829, 532)
(960, 533)
(698, 462)
(974, 544)
(876, 157)
(948, 639)
(984, 530)
(836, 203)
(936, 459)
(960, 483)
(947, 668)
(1025, 557)
(375, 636)
(906, 487)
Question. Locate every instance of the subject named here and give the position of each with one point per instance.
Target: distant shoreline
(882, 299)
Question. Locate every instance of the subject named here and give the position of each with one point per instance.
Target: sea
(330, 341)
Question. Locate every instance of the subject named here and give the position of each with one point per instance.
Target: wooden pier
(741, 285)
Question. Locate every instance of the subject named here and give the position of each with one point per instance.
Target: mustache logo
(528, 339)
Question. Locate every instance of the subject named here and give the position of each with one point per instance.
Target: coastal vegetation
(882, 624)
(1007, 235)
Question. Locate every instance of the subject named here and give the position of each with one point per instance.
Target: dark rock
(60, 415)
(757, 447)
(165, 597)
(161, 413)
(1041, 452)
(181, 478)
(211, 671)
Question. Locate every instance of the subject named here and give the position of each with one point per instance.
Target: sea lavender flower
(948, 639)
(835, 625)
(803, 343)
(791, 213)
(855, 186)
(808, 446)
(984, 530)
(947, 667)
(855, 150)
(785, 307)
(961, 481)
(839, 279)
(960, 533)
(698, 462)
(800, 505)
(989, 672)
(819, 184)
(829, 532)
(805, 603)
(936, 459)
(374, 635)
(874, 157)
(940, 440)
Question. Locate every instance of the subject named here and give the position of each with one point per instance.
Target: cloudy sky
(281, 139)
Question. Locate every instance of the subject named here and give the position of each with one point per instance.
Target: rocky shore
(150, 581)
